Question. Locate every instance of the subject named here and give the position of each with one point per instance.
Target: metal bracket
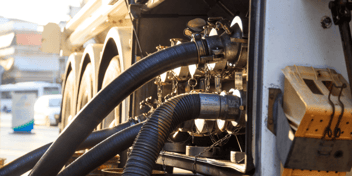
(340, 12)
(135, 10)
(272, 109)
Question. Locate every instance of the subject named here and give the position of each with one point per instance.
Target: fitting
(225, 107)
(217, 48)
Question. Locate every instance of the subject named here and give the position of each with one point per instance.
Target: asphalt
(14, 145)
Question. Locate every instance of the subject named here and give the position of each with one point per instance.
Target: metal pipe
(345, 32)
(342, 17)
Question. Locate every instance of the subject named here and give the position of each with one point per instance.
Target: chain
(235, 132)
(174, 86)
(174, 83)
(209, 133)
(209, 148)
(174, 90)
(216, 144)
(212, 138)
(207, 80)
(192, 85)
(160, 91)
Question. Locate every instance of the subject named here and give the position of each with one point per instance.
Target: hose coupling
(217, 48)
(225, 107)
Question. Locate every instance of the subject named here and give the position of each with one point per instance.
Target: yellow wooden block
(306, 101)
(299, 172)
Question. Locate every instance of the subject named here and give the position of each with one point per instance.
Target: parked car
(47, 110)
(38, 87)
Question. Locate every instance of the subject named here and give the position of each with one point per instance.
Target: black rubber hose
(26, 162)
(107, 99)
(102, 152)
(156, 130)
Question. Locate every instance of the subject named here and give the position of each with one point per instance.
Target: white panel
(37, 63)
(18, 26)
(3, 20)
(7, 51)
(25, 26)
(6, 40)
(293, 35)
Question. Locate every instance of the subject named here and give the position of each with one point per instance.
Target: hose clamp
(202, 49)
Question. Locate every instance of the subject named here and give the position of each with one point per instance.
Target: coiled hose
(26, 162)
(155, 131)
(102, 152)
(107, 99)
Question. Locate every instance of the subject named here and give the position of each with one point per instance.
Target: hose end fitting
(225, 107)
(216, 48)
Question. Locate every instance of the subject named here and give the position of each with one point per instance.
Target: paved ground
(13, 145)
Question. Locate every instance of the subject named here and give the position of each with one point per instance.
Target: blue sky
(37, 11)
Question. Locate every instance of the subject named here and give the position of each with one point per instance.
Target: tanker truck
(215, 87)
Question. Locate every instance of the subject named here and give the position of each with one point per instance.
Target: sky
(37, 11)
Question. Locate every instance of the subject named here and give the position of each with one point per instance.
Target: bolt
(326, 22)
(197, 36)
(241, 108)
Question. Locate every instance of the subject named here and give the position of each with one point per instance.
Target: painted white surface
(293, 35)
(6, 40)
(18, 26)
(22, 108)
(37, 63)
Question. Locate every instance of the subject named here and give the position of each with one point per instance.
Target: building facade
(20, 56)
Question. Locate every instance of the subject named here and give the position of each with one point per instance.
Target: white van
(39, 88)
(47, 110)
